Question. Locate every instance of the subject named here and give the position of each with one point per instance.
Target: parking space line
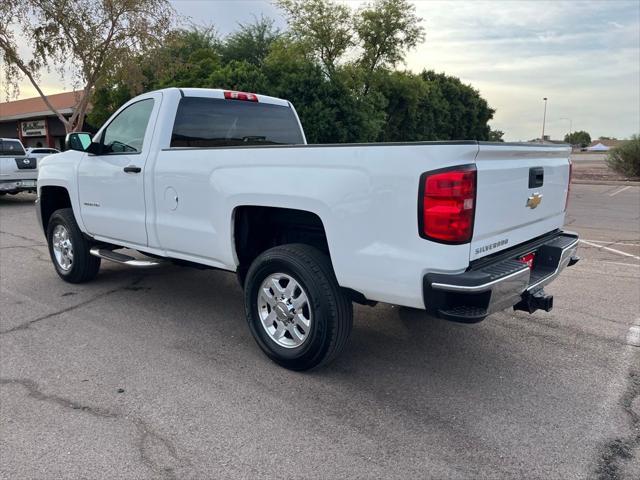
(633, 336)
(607, 242)
(623, 263)
(620, 190)
(613, 250)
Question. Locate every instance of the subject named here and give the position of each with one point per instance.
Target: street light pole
(544, 118)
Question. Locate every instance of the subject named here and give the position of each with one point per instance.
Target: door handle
(132, 169)
(536, 177)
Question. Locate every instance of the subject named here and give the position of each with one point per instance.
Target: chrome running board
(124, 259)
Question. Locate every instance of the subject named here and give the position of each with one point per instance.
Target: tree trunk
(76, 121)
(79, 124)
(45, 99)
(70, 125)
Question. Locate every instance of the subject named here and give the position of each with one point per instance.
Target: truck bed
(365, 196)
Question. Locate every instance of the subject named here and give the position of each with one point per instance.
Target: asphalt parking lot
(154, 374)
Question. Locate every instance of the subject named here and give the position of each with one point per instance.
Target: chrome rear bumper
(18, 185)
(473, 295)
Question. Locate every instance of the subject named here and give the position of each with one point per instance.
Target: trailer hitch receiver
(532, 301)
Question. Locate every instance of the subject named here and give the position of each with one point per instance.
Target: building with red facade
(31, 121)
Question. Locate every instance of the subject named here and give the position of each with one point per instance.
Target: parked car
(225, 180)
(18, 172)
(40, 152)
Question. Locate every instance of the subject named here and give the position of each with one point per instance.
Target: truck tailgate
(521, 194)
(18, 167)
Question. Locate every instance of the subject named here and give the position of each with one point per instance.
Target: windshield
(212, 122)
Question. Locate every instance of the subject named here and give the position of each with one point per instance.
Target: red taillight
(566, 203)
(448, 204)
(249, 97)
(529, 258)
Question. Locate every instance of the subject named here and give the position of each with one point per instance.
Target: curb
(629, 183)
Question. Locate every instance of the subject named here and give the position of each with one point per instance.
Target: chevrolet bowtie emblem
(534, 200)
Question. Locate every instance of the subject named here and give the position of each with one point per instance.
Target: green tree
(386, 30)
(105, 101)
(432, 106)
(496, 135)
(580, 138)
(416, 109)
(399, 105)
(324, 27)
(467, 114)
(625, 158)
(251, 43)
(238, 75)
(185, 59)
(84, 40)
(328, 109)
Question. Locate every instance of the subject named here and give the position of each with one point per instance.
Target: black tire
(332, 311)
(84, 266)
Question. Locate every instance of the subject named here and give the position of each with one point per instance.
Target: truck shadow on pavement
(421, 374)
(204, 311)
(406, 383)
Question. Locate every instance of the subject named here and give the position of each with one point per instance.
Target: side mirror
(79, 141)
(94, 148)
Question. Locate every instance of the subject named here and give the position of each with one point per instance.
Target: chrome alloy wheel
(284, 310)
(62, 247)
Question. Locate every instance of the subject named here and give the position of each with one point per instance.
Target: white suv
(40, 152)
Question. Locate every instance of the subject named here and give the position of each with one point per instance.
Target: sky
(584, 56)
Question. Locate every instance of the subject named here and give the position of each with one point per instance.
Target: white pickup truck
(226, 180)
(18, 170)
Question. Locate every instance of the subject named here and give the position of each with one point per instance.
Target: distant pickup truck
(225, 179)
(18, 171)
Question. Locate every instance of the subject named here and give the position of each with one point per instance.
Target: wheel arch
(52, 198)
(256, 228)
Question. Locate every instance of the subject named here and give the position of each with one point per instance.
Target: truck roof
(219, 93)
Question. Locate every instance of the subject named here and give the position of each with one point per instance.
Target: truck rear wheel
(69, 249)
(295, 309)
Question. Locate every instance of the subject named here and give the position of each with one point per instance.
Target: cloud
(583, 56)
(225, 15)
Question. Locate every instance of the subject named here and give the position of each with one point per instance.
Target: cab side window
(125, 134)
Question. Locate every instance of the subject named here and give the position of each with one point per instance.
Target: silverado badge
(534, 200)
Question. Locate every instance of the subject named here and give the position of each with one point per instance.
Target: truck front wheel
(295, 308)
(69, 249)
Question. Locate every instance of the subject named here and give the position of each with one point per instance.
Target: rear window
(11, 147)
(212, 122)
(44, 150)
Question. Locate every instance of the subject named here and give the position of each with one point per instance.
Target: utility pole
(544, 118)
(570, 124)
